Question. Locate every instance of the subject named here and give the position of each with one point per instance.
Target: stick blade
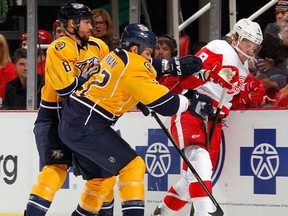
(218, 212)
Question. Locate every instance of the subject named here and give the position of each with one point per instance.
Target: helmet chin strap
(240, 51)
(83, 42)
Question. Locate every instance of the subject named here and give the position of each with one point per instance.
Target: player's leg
(201, 161)
(107, 208)
(105, 149)
(55, 158)
(93, 195)
(131, 188)
(176, 198)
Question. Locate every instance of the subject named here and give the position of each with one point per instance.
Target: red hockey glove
(225, 75)
(253, 93)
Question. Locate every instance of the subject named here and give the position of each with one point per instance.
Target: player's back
(125, 79)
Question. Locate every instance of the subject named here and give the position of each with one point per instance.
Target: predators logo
(57, 154)
(148, 66)
(88, 67)
(60, 45)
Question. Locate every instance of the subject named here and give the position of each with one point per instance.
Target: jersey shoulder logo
(148, 66)
(60, 45)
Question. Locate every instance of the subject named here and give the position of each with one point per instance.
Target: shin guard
(95, 193)
(131, 188)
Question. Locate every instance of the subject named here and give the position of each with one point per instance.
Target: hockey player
(71, 60)
(126, 77)
(218, 56)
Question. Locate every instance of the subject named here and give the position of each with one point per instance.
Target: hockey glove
(185, 66)
(189, 93)
(201, 106)
(225, 75)
(253, 93)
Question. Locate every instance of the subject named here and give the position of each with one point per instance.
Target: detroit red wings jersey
(220, 51)
(125, 79)
(66, 64)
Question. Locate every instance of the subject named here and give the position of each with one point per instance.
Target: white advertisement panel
(250, 178)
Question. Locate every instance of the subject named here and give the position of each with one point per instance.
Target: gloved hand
(189, 93)
(253, 93)
(184, 66)
(201, 106)
(225, 75)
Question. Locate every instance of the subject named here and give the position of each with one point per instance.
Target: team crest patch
(60, 45)
(148, 66)
(57, 154)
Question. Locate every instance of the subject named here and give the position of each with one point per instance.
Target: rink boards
(251, 177)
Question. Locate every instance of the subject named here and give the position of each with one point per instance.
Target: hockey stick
(216, 117)
(219, 211)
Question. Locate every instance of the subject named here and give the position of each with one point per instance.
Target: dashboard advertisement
(251, 176)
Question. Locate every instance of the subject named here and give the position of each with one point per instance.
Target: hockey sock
(133, 208)
(203, 206)
(81, 212)
(37, 206)
(173, 201)
(107, 209)
(96, 192)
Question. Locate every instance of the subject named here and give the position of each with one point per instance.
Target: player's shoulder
(217, 44)
(96, 41)
(62, 44)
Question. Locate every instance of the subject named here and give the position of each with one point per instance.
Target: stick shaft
(216, 117)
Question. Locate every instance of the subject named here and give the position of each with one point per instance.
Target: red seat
(184, 45)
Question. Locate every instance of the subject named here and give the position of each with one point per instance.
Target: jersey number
(66, 66)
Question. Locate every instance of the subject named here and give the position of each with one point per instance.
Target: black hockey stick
(219, 211)
(216, 117)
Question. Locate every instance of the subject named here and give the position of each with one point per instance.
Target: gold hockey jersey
(125, 79)
(68, 65)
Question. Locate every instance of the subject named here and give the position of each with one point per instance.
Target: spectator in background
(44, 39)
(16, 90)
(271, 54)
(58, 30)
(7, 69)
(166, 48)
(103, 28)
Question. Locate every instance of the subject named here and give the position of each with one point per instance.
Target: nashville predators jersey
(125, 79)
(68, 65)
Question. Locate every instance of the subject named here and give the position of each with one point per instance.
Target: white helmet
(249, 30)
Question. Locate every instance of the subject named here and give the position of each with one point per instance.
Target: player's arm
(158, 98)
(60, 71)
(177, 66)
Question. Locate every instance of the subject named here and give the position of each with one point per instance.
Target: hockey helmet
(24, 37)
(44, 37)
(74, 11)
(56, 24)
(138, 34)
(245, 28)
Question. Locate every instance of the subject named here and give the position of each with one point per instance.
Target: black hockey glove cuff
(185, 66)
